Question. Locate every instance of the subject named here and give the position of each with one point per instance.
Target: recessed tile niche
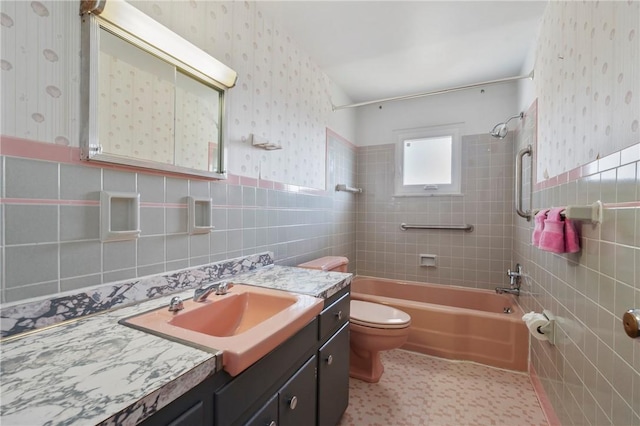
(119, 216)
(199, 215)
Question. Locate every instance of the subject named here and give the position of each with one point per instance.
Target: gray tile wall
(592, 375)
(477, 259)
(50, 238)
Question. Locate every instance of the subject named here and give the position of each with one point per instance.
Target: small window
(428, 161)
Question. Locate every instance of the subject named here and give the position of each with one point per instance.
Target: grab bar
(524, 151)
(467, 227)
(346, 188)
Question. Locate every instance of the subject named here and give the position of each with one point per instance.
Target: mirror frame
(133, 26)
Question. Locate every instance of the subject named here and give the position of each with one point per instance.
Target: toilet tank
(327, 263)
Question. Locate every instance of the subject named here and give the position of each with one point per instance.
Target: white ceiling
(379, 49)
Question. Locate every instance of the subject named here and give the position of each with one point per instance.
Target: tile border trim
(543, 399)
(35, 150)
(620, 158)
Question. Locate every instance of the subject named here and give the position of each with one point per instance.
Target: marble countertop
(297, 280)
(96, 371)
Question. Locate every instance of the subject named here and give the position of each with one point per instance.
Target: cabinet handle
(330, 360)
(339, 315)
(273, 423)
(293, 403)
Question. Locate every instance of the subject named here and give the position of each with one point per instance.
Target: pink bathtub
(454, 322)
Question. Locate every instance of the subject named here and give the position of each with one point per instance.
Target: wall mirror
(149, 97)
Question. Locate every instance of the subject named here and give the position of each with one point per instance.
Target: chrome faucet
(514, 281)
(501, 290)
(201, 293)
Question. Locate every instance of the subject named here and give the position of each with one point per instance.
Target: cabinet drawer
(334, 316)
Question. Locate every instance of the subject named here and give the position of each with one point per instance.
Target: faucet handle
(516, 273)
(223, 288)
(176, 304)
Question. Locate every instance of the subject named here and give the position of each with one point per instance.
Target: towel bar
(467, 227)
(590, 214)
(345, 188)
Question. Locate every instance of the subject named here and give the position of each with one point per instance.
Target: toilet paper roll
(535, 322)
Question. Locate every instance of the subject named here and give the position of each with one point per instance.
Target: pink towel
(558, 235)
(539, 227)
(552, 237)
(571, 240)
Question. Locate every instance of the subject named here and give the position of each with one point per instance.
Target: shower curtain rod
(435, 92)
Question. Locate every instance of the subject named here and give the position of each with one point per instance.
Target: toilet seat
(377, 316)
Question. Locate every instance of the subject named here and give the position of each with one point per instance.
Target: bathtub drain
(507, 310)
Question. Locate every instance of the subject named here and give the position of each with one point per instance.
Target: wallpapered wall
(586, 77)
(50, 214)
(281, 94)
(588, 106)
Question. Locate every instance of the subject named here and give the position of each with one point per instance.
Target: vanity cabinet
(304, 381)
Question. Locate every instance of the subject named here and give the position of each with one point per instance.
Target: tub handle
(339, 315)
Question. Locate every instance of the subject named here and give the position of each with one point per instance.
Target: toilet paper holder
(549, 329)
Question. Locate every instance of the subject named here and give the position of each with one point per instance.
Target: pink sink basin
(246, 323)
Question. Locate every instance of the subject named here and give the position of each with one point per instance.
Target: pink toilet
(374, 327)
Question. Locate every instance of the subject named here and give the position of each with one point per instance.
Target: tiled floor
(416, 389)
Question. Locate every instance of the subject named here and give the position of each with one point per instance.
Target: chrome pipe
(435, 92)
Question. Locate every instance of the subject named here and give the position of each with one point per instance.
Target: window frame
(453, 189)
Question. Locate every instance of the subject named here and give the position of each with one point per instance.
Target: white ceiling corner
(379, 49)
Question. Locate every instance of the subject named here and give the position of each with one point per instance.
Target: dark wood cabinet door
(297, 405)
(194, 408)
(267, 415)
(333, 378)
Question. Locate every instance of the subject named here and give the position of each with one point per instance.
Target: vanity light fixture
(119, 16)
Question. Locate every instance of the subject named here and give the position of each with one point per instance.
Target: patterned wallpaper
(281, 94)
(587, 77)
(130, 123)
(40, 70)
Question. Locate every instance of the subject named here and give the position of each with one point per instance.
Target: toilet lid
(377, 315)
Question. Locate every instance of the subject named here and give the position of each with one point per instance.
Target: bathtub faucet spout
(502, 290)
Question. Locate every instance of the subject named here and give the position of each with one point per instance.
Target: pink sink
(246, 323)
